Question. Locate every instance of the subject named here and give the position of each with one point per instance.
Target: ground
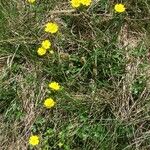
(101, 61)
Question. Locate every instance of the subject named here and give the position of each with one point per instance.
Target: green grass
(101, 59)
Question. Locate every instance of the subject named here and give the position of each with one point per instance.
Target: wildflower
(31, 1)
(51, 27)
(34, 140)
(75, 3)
(86, 2)
(49, 102)
(54, 86)
(46, 44)
(41, 51)
(119, 8)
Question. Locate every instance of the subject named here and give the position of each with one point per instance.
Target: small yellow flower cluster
(44, 47)
(53, 27)
(50, 28)
(48, 103)
(78, 3)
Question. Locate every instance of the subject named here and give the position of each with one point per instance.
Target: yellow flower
(75, 3)
(119, 8)
(41, 51)
(34, 140)
(86, 2)
(49, 102)
(51, 27)
(46, 44)
(54, 86)
(31, 1)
